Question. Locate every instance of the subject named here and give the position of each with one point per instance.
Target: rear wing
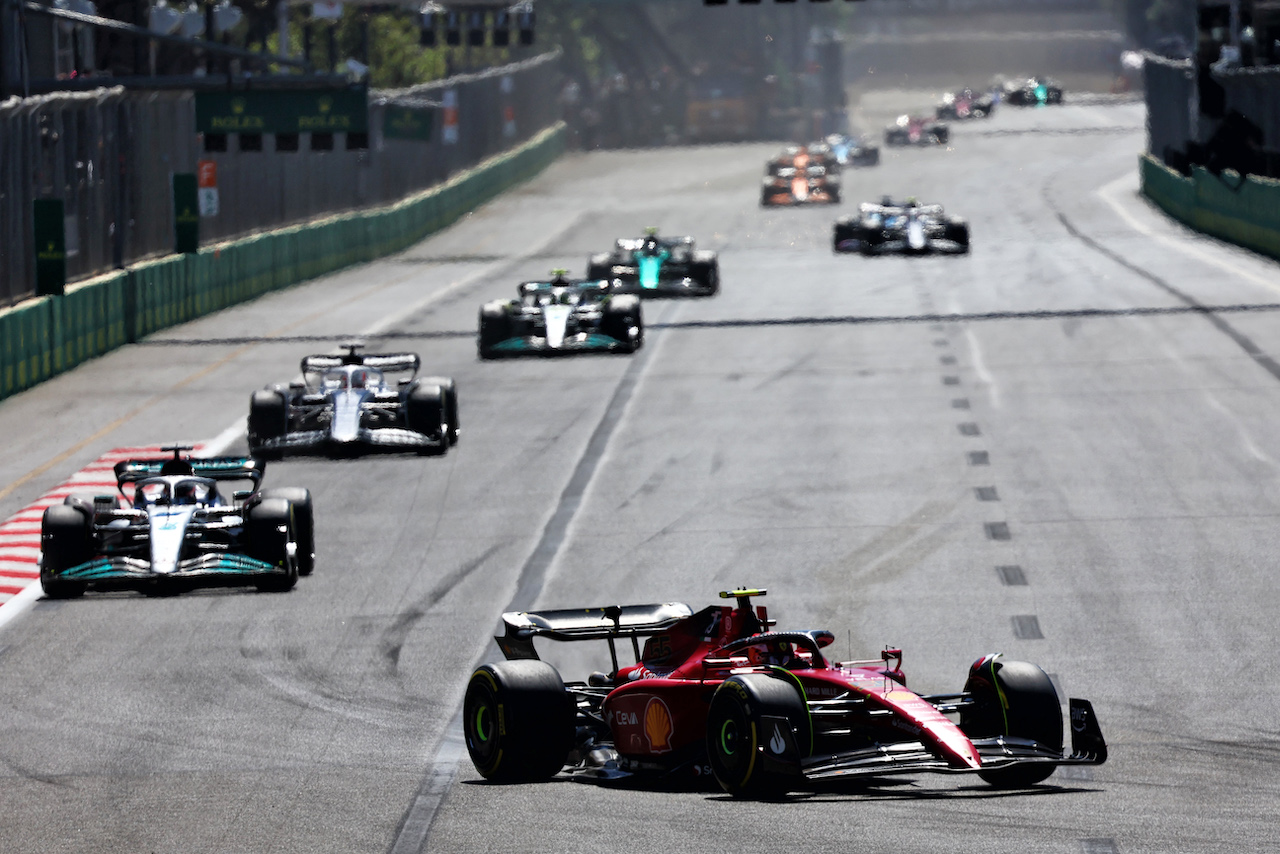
(382, 361)
(578, 624)
(216, 468)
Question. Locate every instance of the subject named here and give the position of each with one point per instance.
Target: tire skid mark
(415, 827)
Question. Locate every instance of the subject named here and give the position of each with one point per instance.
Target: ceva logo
(658, 726)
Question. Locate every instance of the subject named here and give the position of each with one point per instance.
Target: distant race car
(346, 403)
(719, 694)
(966, 104)
(561, 316)
(853, 150)
(657, 266)
(172, 529)
(1031, 92)
(900, 227)
(796, 177)
(917, 130)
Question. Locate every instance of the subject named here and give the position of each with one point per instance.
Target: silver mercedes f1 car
(346, 403)
(172, 529)
(561, 316)
(906, 227)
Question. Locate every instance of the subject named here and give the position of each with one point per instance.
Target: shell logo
(658, 726)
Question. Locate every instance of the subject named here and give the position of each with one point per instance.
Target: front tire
(495, 327)
(518, 720)
(741, 722)
(622, 314)
(304, 526)
(268, 530)
(425, 409)
(66, 540)
(1017, 699)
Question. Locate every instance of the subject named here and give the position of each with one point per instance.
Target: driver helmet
(187, 492)
(359, 379)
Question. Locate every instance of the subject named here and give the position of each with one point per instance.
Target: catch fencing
(110, 154)
(1170, 90)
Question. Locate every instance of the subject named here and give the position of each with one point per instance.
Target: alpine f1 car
(1031, 92)
(853, 150)
(796, 177)
(902, 227)
(561, 316)
(966, 104)
(172, 529)
(917, 130)
(657, 266)
(346, 403)
(718, 693)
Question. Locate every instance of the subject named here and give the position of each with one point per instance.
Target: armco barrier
(1245, 212)
(48, 335)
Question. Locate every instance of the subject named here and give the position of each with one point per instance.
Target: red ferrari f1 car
(719, 693)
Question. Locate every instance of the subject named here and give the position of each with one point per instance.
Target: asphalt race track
(1061, 447)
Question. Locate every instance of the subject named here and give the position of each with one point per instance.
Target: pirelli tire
(495, 327)
(622, 320)
(304, 526)
(1013, 699)
(425, 408)
(706, 271)
(844, 231)
(600, 267)
(758, 730)
(66, 540)
(268, 532)
(957, 231)
(518, 721)
(268, 419)
(450, 390)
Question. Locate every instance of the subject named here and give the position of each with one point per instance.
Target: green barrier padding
(48, 335)
(1243, 211)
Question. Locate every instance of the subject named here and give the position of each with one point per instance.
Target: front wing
(207, 570)
(1087, 748)
(318, 441)
(582, 342)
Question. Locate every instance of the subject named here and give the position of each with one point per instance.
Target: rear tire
(737, 734)
(706, 270)
(599, 267)
(1030, 709)
(66, 540)
(304, 526)
(518, 720)
(268, 529)
(268, 419)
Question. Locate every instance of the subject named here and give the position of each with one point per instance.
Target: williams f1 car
(917, 130)
(561, 316)
(900, 227)
(657, 266)
(853, 151)
(172, 529)
(796, 177)
(1032, 92)
(719, 693)
(346, 403)
(966, 104)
